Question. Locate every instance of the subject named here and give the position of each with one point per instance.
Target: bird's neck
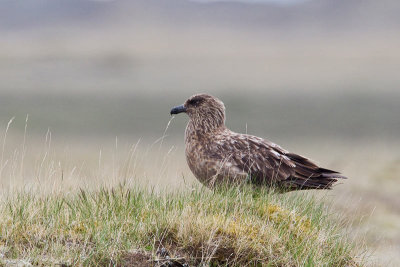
(203, 128)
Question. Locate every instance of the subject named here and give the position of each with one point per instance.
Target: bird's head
(203, 110)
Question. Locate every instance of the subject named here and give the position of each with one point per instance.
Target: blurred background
(97, 80)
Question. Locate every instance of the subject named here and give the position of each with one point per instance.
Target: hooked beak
(178, 109)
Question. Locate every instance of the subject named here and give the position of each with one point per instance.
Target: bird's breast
(199, 159)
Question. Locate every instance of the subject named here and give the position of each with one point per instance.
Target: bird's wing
(266, 162)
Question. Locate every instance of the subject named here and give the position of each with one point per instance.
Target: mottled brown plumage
(215, 154)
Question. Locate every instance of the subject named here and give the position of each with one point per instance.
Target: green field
(126, 225)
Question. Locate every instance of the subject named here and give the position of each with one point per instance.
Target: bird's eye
(194, 101)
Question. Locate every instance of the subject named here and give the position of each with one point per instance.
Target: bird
(217, 155)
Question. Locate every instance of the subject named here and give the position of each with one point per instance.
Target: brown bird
(216, 154)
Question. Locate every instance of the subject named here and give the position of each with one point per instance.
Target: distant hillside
(64, 45)
(324, 15)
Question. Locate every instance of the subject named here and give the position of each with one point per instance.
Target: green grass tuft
(127, 226)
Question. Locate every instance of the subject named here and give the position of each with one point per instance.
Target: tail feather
(309, 176)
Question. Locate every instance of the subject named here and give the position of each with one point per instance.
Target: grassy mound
(134, 227)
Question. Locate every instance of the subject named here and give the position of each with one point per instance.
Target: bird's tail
(309, 176)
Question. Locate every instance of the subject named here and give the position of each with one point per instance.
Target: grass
(129, 226)
(46, 221)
